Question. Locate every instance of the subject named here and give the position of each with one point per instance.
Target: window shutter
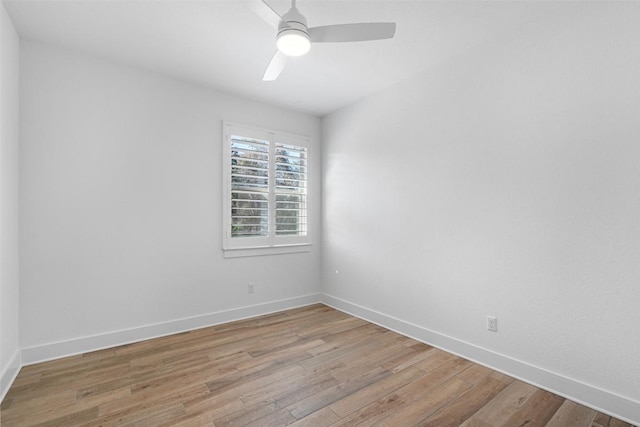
(290, 190)
(265, 182)
(249, 187)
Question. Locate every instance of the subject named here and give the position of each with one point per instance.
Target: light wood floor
(313, 366)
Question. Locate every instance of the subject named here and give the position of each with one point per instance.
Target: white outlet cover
(492, 323)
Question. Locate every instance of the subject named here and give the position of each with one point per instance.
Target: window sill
(267, 250)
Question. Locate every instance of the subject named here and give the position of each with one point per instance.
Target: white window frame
(271, 244)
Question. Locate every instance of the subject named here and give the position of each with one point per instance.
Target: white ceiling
(224, 45)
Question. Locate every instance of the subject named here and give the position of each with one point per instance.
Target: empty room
(320, 213)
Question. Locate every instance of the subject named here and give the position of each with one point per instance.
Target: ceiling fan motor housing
(293, 27)
(293, 20)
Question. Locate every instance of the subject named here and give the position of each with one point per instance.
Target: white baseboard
(9, 373)
(50, 351)
(610, 403)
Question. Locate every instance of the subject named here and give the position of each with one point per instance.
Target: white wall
(121, 207)
(9, 267)
(504, 183)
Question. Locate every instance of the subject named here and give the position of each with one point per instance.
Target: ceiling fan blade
(266, 12)
(275, 67)
(353, 32)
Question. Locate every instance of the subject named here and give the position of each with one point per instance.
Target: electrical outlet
(492, 323)
(252, 288)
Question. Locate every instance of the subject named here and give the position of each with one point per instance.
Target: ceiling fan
(294, 38)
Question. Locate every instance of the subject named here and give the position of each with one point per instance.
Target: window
(265, 191)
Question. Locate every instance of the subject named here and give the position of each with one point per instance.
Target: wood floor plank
(474, 374)
(318, 385)
(281, 417)
(498, 411)
(212, 407)
(360, 333)
(537, 410)
(354, 350)
(572, 414)
(277, 390)
(618, 423)
(435, 358)
(375, 391)
(424, 385)
(374, 412)
(52, 407)
(466, 404)
(326, 397)
(237, 385)
(310, 366)
(32, 407)
(248, 414)
(322, 418)
(386, 357)
(601, 420)
(154, 414)
(197, 420)
(140, 400)
(403, 360)
(420, 409)
(75, 418)
(279, 354)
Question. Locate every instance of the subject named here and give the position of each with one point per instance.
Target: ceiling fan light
(293, 42)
